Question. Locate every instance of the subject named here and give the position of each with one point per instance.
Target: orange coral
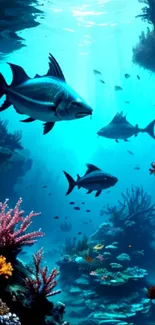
(5, 268)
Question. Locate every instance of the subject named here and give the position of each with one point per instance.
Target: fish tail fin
(150, 129)
(3, 85)
(71, 182)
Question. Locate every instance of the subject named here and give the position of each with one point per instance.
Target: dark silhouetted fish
(138, 77)
(127, 76)
(71, 203)
(102, 81)
(45, 186)
(93, 180)
(127, 102)
(131, 152)
(76, 208)
(46, 98)
(117, 88)
(120, 128)
(97, 72)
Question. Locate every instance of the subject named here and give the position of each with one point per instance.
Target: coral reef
(5, 268)
(16, 16)
(14, 164)
(108, 286)
(24, 289)
(144, 51)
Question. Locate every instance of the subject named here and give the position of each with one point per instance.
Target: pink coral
(42, 284)
(13, 226)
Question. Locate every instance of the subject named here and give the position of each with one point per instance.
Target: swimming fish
(97, 72)
(127, 76)
(93, 180)
(117, 88)
(152, 169)
(120, 128)
(46, 98)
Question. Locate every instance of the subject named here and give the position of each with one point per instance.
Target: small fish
(93, 180)
(56, 217)
(152, 170)
(138, 77)
(89, 259)
(76, 208)
(130, 152)
(102, 81)
(151, 292)
(127, 76)
(83, 202)
(49, 194)
(120, 128)
(137, 168)
(97, 72)
(71, 203)
(79, 233)
(45, 98)
(98, 247)
(45, 186)
(117, 88)
(88, 210)
(127, 102)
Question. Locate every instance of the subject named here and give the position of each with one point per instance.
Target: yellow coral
(5, 268)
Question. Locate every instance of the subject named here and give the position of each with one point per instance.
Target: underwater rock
(75, 290)
(116, 266)
(9, 319)
(83, 281)
(111, 247)
(123, 257)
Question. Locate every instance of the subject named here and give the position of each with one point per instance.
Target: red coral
(42, 284)
(13, 226)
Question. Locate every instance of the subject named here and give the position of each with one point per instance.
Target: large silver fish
(93, 180)
(46, 98)
(120, 128)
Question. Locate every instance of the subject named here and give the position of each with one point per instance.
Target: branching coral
(5, 268)
(10, 140)
(148, 13)
(43, 284)
(136, 203)
(13, 227)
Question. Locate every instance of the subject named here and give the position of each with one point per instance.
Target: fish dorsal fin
(54, 69)
(91, 168)
(78, 177)
(118, 118)
(19, 75)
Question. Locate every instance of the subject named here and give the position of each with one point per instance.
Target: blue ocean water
(84, 36)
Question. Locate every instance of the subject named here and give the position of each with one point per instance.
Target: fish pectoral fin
(89, 191)
(48, 126)
(29, 119)
(98, 193)
(5, 105)
(19, 75)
